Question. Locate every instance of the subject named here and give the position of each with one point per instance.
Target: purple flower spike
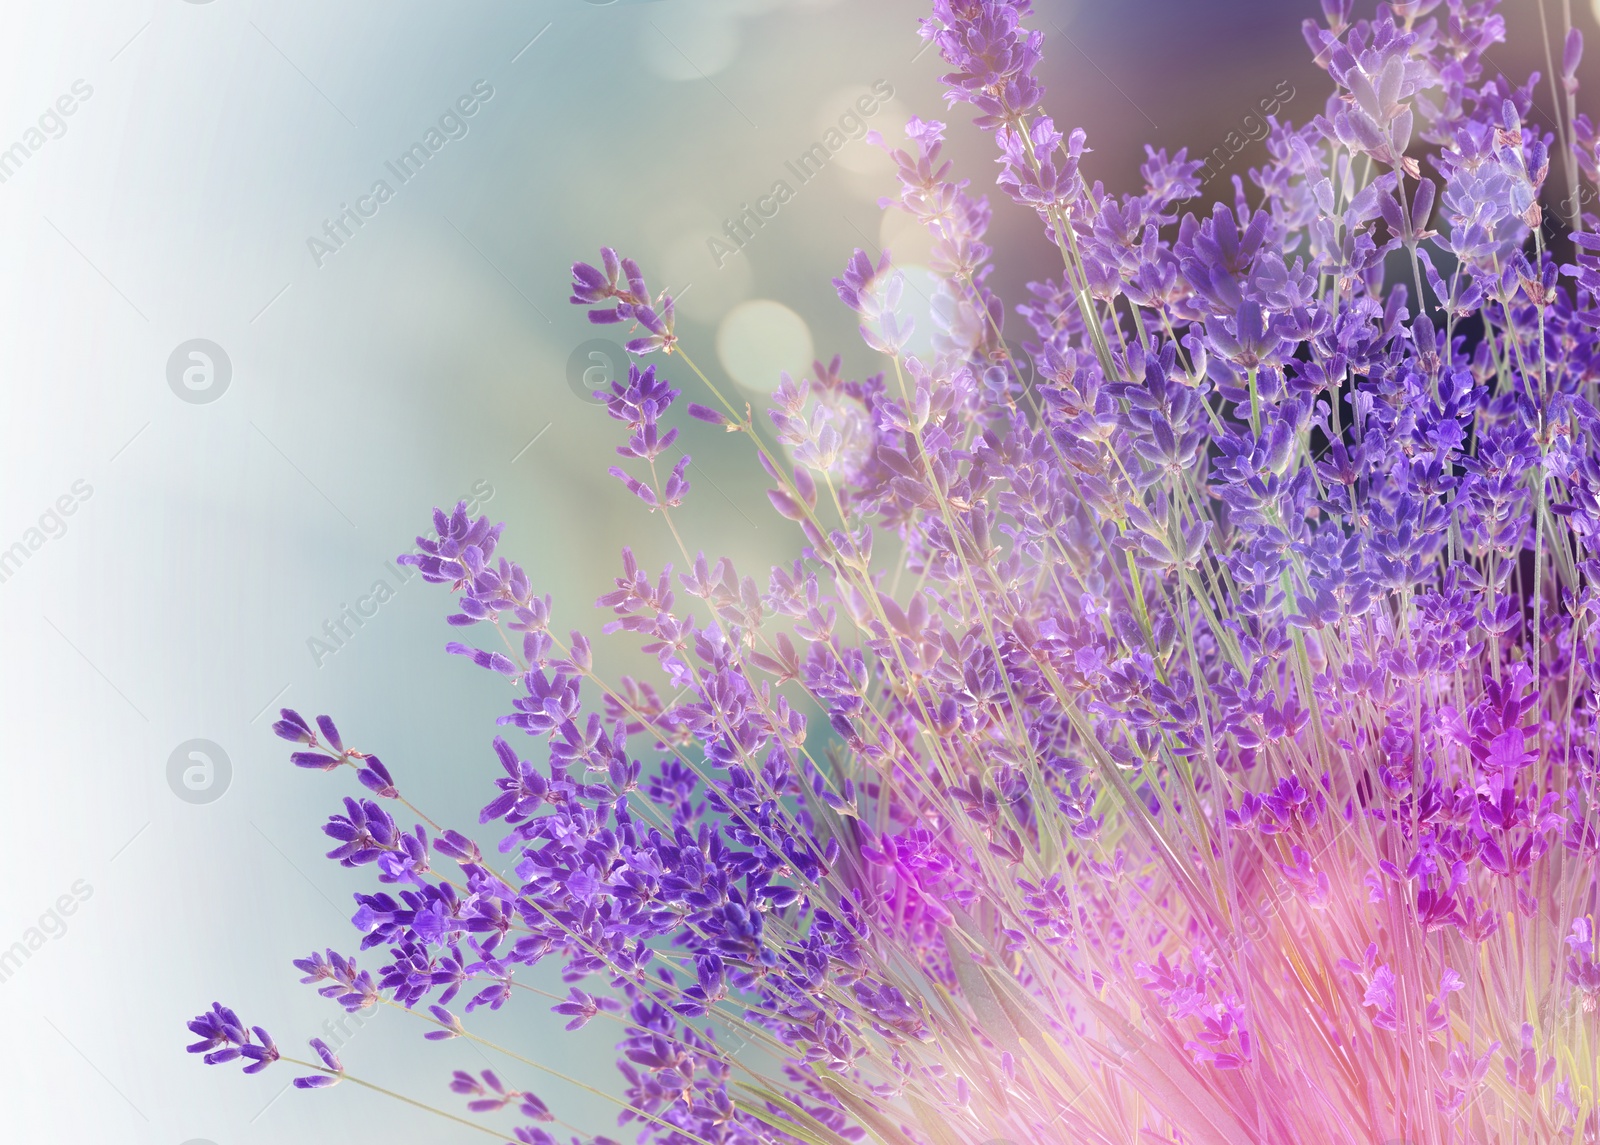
(223, 1038)
(330, 734)
(365, 832)
(375, 777)
(331, 1062)
(1187, 702)
(622, 286)
(293, 727)
(327, 1056)
(620, 282)
(452, 1027)
(858, 276)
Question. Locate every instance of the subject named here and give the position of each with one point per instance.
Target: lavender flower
(1180, 725)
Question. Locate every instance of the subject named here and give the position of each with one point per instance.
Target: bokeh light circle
(760, 339)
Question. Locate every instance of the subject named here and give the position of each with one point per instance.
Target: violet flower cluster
(1181, 722)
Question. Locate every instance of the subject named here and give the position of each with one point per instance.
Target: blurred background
(231, 402)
